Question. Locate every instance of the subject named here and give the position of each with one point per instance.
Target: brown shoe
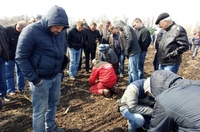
(106, 93)
(114, 90)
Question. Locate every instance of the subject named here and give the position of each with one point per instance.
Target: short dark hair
(93, 24)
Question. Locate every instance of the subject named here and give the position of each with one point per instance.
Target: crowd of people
(154, 103)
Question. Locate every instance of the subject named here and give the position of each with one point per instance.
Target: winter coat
(144, 38)
(39, 52)
(4, 48)
(103, 72)
(13, 35)
(75, 38)
(173, 44)
(177, 103)
(89, 40)
(135, 99)
(132, 46)
(121, 41)
(109, 56)
(105, 36)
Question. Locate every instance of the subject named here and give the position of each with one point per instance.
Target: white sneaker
(121, 75)
(5, 98)
(72, 78)
(12, 93)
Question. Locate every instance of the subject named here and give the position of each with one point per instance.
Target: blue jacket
(39, 52)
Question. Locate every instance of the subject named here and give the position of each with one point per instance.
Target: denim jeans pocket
(60, 74)
(40, 85)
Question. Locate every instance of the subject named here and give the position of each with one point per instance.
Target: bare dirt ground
(80, 111)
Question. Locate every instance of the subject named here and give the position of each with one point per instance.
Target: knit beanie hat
(102, 47)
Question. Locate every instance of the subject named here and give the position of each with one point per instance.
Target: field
(80, 111)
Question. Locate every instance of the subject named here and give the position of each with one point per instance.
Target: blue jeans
(121, 58)
(141, 65)
(196, 48)
(132, 67)
(75, 56)
(10, 81)
(134, 120)
(173, 68)
(45, 99)
(3, 87)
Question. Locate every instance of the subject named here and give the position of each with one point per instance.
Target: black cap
(161, 17)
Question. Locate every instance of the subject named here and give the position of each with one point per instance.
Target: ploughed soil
(81, 111)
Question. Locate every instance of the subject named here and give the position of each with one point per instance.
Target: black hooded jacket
(177, 106)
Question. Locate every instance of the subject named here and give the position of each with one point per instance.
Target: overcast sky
(182, 12)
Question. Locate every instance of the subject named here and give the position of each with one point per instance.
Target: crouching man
(102, 78)
(177, 105)
(136, 106)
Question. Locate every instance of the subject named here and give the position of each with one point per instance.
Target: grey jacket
(131, 100)
(132, 46)
(110, 55)
(177, 103)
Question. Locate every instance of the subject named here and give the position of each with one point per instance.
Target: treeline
(148, 21)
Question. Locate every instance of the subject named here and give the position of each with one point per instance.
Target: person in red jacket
(102, 78)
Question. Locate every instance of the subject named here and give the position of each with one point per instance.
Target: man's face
(136, 25)
(79, 27)
(19, 29)
(93, 28)
(113, 31)
(56, 29)
(163, 24)
(107, 26)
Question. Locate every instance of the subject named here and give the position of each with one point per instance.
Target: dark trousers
(155, 62)
(88, 54)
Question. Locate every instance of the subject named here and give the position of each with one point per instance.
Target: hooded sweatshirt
(177, 106)
(39, 52)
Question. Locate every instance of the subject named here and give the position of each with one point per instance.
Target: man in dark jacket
(75, 44)
(132, 49)
(173, 44)
(13, 33)
(144, 39)
(177, 103)
(40, 53)
(156, 44)
(91, 38)
(4, 56)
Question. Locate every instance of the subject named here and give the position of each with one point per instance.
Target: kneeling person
(135, 104)
(102, 78)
